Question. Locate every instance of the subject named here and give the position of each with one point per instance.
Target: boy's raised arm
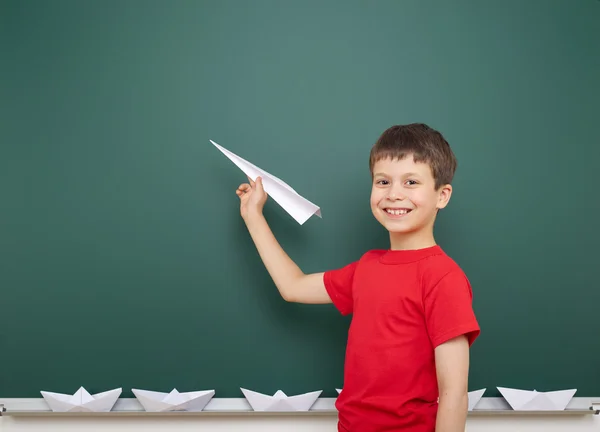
(292, 283)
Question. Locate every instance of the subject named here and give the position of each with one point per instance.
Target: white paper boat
(174, 401)
(296, 205)
(531, 400)
(280, 401)
(82, 401)
(475, 397)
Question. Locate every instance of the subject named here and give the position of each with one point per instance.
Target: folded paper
(474, 398)
(174, 401)
(280, 401)
(81, 401)
(532, 400)
(296, 205)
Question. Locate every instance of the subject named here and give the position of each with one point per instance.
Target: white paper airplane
(531, 400)
(475, 397)
(280, 402)
(174, 401)
(82, 401)
(296, 205)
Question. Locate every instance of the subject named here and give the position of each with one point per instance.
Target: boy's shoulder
(440, 261)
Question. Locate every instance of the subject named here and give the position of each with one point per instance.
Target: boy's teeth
(397, 212)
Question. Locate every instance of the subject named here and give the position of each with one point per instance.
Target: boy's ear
(445, 192)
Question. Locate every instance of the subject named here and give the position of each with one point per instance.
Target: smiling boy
(407, 355)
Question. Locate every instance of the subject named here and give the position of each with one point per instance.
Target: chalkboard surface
(123, 258)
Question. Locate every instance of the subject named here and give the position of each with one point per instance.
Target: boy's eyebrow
(410, 174)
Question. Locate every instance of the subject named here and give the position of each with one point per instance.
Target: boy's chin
(400, 231)
(397, 227)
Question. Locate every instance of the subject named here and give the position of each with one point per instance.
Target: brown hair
(423, 143)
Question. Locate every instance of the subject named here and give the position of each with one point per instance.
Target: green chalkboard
(124, 261)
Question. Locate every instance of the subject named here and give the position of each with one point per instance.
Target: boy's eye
(382, 182)
(411, 182)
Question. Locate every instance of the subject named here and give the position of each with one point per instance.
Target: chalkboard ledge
(250, 413)
(233, 407)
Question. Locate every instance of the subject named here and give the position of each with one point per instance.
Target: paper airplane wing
(296, 205)
(249, 168)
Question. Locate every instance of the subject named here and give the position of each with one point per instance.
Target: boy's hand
(252, 198)
(292, 283)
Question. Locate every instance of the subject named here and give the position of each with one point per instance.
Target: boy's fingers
(243, 188)
(251, 181)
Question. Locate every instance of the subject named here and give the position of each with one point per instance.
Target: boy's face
(403, 196)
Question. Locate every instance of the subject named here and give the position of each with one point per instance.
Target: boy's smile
(404, 200)
(394, 212)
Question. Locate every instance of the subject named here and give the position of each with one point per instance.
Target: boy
(407, 356)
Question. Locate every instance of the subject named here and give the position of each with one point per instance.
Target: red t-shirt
(404, 304)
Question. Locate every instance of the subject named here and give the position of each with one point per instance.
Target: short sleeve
(449, 311)
(338, 284)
